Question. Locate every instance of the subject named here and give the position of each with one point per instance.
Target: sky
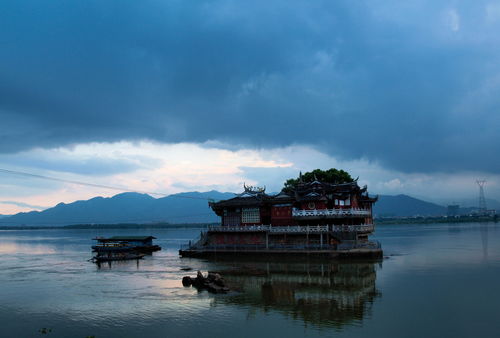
(171, 96)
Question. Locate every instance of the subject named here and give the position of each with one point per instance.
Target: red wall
(317, 205)
(281, 215)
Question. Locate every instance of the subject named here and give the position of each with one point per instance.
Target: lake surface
(438, 280)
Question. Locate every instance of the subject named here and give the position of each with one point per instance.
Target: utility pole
(482, 200)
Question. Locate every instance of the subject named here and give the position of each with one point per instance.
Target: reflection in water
(119, 263)
(483, 228)
(15, 248)
(115, 264)
(321, 293)
(430, 285)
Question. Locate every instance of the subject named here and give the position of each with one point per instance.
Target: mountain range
(404, 205)
(127, 207)
(189, 207)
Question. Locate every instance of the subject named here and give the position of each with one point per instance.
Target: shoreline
(122, 226)
(117, 226)
(436, 219)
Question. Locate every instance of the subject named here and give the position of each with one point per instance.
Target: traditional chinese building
(314, 217)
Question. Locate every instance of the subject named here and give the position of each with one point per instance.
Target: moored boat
(125, 243)
(112, 247)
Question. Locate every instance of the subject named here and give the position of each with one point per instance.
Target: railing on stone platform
(359, 245)
(259, 247)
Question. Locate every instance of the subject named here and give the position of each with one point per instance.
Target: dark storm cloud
(95, 166)
(410, 84)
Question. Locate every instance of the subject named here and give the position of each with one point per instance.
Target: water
(438, 281)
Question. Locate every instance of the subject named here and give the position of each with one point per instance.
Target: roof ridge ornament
(253, 190)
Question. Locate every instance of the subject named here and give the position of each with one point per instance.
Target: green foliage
(332, 175)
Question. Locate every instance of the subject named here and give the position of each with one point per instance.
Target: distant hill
(127, 207)
(404, 205)
(189, 207)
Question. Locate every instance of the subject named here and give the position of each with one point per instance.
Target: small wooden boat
(112, 247)
(125, 243)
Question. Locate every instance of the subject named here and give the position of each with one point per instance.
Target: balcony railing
(352, 228)
(299, 229)
(330, 212)
(247, 228)
(294, 228)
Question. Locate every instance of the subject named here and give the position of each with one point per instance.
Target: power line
(21, 173)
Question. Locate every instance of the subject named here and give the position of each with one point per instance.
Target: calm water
(438, 281)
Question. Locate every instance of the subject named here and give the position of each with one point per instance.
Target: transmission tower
(482, 200)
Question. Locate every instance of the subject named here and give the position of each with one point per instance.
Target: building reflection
(319, 293)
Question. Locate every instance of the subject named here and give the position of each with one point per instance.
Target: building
(314, 218)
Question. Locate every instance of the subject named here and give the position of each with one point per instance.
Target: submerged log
(212, 283)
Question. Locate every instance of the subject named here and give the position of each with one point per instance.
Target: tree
(334, 176)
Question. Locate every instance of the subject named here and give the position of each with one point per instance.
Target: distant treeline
(435, 219)
(379, 221)
(113, 226)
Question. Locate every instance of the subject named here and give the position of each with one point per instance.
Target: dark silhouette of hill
(404, 205)
(127, 207)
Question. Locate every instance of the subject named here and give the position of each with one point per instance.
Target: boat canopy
(125, 239)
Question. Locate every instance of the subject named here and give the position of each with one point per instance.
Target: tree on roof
(334, 176)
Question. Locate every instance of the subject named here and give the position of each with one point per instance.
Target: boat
(112, 247)
(142, 244)
(121, 248)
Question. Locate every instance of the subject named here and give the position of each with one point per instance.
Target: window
(348, 201)
(232, 220)
(250, 215)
